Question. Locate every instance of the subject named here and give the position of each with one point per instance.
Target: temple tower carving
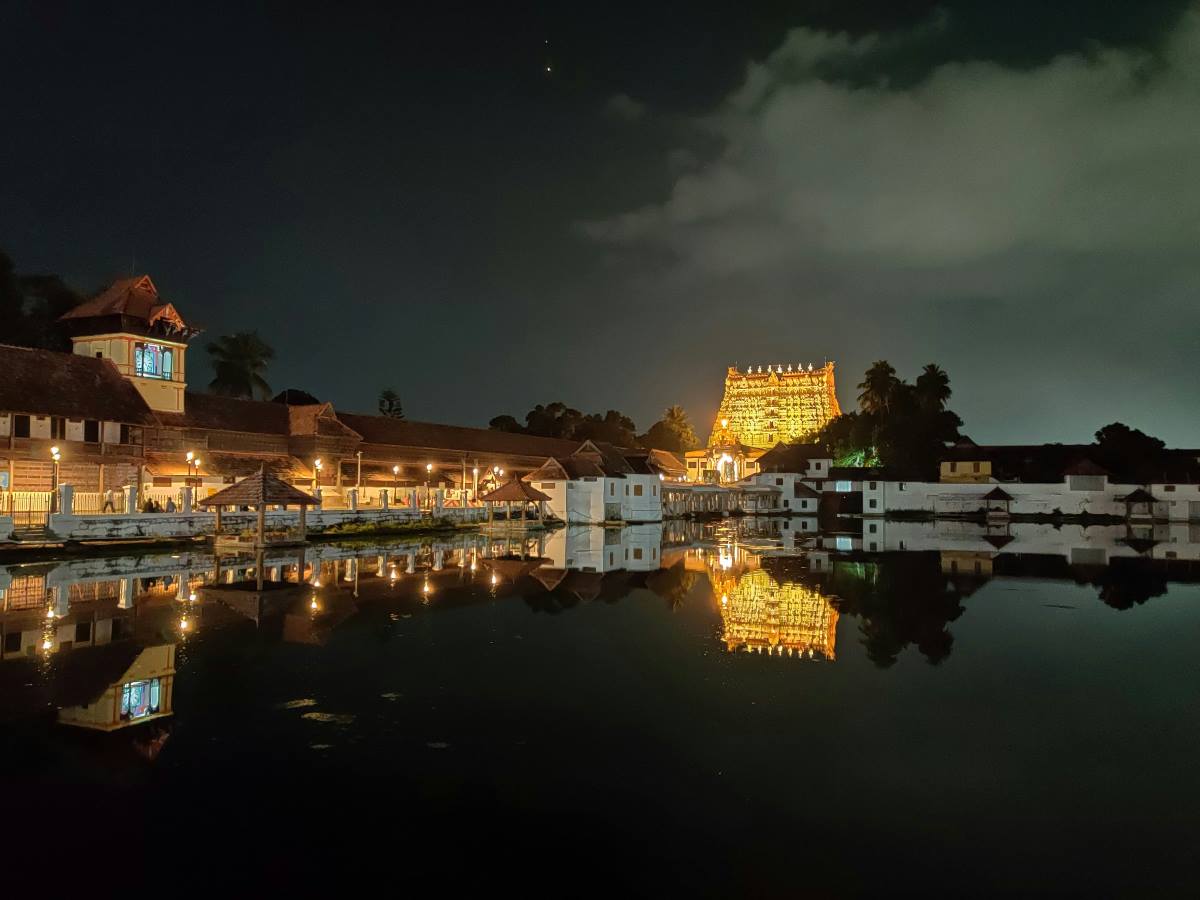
(781, 404)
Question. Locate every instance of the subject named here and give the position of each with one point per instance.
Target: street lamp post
(428, 472)
(55, 456)
(316, 474)
(396, 484)
(358, 471)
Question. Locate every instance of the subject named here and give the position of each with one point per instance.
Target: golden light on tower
(761, 615)
(782, 404)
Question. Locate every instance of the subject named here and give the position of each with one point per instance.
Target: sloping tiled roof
(483, 441)
(1084, 466)
(318, 419)
(48, 383)
(135, 297)
(259, 488)
(1141, 495)
(238, 465)
(516, 491)
(607, 456)
(572, 467)
(791, 457)
(215, 413)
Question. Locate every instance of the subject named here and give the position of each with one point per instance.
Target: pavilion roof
(258, 489)
(515, 491)
(1141, 495)
(997, 493)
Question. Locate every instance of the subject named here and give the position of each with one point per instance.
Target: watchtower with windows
(142, 334)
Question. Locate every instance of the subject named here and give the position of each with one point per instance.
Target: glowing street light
(395, 484)
(55, 456)
(316, 473)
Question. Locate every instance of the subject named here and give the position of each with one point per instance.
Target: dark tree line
(30, 306)
(672, 432)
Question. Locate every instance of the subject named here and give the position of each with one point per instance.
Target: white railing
(88, 503)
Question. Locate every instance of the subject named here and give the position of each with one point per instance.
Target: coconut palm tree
(676, 419)
(389, 404)
(239, 361)
(878, 387)
(933, 388)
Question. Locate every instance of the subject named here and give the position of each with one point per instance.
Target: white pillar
(125, 600)
(439, 500)
(352, 499)
(383, 499)
(412, 500)
(131, 493)
(186, 498)
(66, 499)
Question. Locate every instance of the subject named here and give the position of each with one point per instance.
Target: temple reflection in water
(761, 615)
(96, 639)
(784, 613)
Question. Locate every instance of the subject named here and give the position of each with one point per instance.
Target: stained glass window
(140, 698)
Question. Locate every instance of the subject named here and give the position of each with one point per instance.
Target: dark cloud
(1035, 228)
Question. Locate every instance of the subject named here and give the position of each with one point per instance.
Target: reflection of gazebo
(258, 492)
(517, 491)
(1139, 504)
(996, 501)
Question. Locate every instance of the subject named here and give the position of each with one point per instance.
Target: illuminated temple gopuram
(763, 407)
(762, 615)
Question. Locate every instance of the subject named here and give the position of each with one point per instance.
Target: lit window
(153, 361)
(140, 699)
(842, 487)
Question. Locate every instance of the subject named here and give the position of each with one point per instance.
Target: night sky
(403, 196)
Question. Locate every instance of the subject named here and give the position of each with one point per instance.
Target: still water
(739, 709)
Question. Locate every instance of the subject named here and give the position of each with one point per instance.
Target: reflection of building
(762, 615)
(141, 691)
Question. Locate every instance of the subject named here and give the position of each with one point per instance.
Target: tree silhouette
(239, 361)
(389, 404)
(672, 432)
(878, 388)
(933, 388)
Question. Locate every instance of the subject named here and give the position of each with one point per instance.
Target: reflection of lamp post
(55, 456)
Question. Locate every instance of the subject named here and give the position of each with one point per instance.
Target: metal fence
(29, 509)
(89, 503)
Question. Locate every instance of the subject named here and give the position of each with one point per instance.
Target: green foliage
(557, 420)
(239, 361)
(389, 404)
(1121, 448)
(30, 306)
(899, 425)
(901, 601)
(673, 432)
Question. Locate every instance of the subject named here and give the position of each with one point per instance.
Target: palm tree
(239, 361)
(389, 404)
(676, 419)
(933, 388)
(878, 387)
